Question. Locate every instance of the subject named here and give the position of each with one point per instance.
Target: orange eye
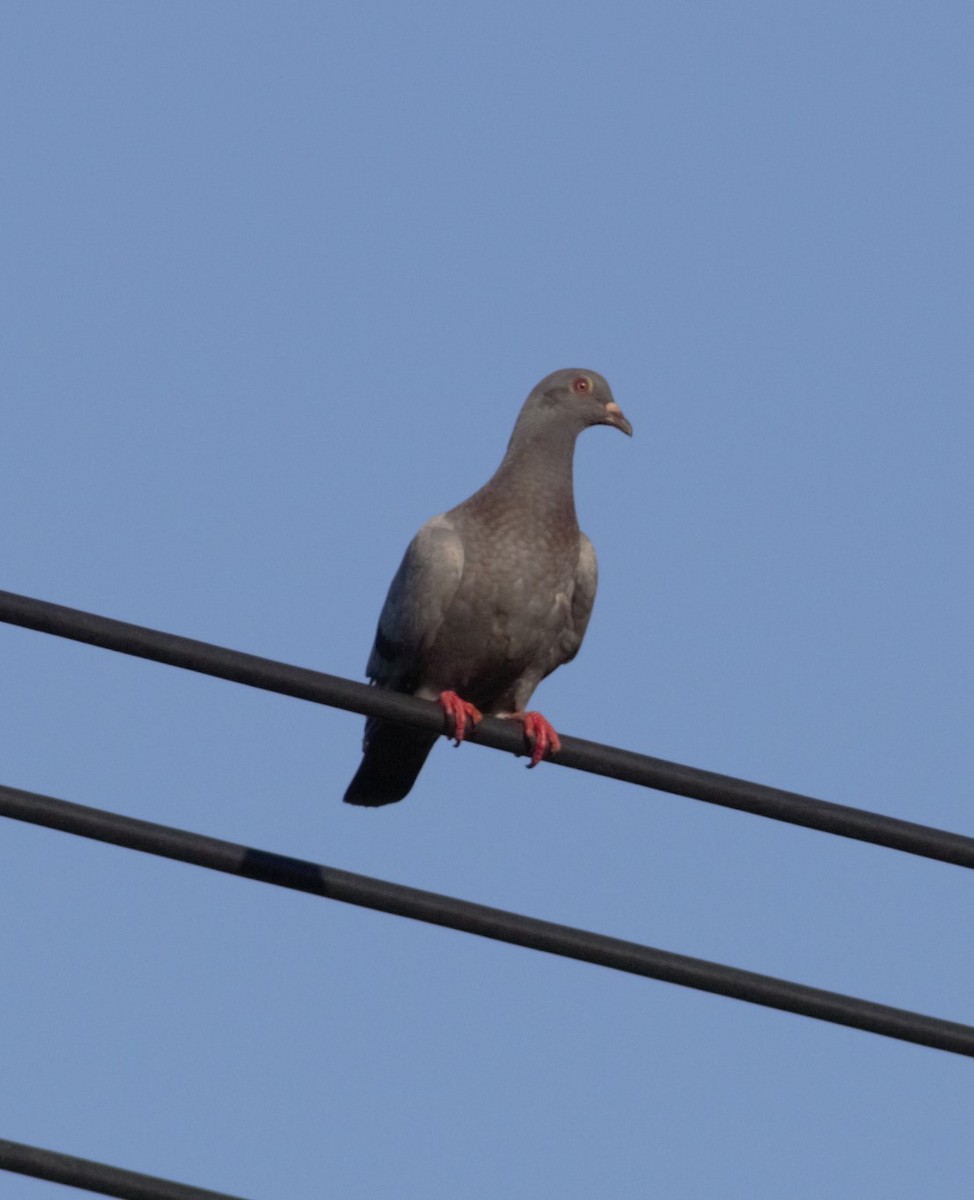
(582, 385)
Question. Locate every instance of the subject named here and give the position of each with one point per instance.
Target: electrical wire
(514, 928)
(598, 759)
(96, 1177)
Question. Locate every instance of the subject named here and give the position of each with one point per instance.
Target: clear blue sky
(276, 279)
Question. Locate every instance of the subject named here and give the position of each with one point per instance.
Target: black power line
(583, 755)
(96, 1177)
(487, 922)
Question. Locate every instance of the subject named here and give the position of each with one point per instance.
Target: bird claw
(540, 735)
(458, 712)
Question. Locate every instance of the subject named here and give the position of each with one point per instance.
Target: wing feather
(420, 594)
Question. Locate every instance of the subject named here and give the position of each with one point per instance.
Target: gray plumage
(495, 594)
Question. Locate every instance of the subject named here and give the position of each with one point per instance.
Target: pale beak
(614, 416)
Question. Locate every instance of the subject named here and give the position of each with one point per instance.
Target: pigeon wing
(419, 596)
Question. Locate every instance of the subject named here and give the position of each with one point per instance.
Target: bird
(491, 596)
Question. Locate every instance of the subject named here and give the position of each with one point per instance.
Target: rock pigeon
(491, 596)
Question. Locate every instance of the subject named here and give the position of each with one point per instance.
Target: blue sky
(276, 281)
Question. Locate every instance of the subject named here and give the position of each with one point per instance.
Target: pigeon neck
(540, 462)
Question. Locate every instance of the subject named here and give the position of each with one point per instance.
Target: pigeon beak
(614, 416)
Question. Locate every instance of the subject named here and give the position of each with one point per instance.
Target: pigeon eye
(582, 385)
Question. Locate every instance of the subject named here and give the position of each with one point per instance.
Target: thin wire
(609, 761)
(95, 1176)
(495, 923)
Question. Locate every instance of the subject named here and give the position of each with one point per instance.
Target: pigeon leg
(540, 735)
(458, 712)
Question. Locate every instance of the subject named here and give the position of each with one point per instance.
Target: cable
(496, 923)
(626, 765)
(96, 1177)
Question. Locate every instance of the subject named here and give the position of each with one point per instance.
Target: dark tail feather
(394, 756)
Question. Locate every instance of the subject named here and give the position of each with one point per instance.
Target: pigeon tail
(394, 756)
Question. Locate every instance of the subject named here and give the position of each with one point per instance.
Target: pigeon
(491, 596)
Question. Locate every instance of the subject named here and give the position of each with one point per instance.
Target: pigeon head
(575, 398)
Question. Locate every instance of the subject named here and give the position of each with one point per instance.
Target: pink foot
(458, 712)
(540, 734)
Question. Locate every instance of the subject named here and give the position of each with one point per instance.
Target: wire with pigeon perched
(491, 596)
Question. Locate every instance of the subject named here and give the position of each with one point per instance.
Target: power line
(496, 923)
(95, 1176)
(598, 759)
